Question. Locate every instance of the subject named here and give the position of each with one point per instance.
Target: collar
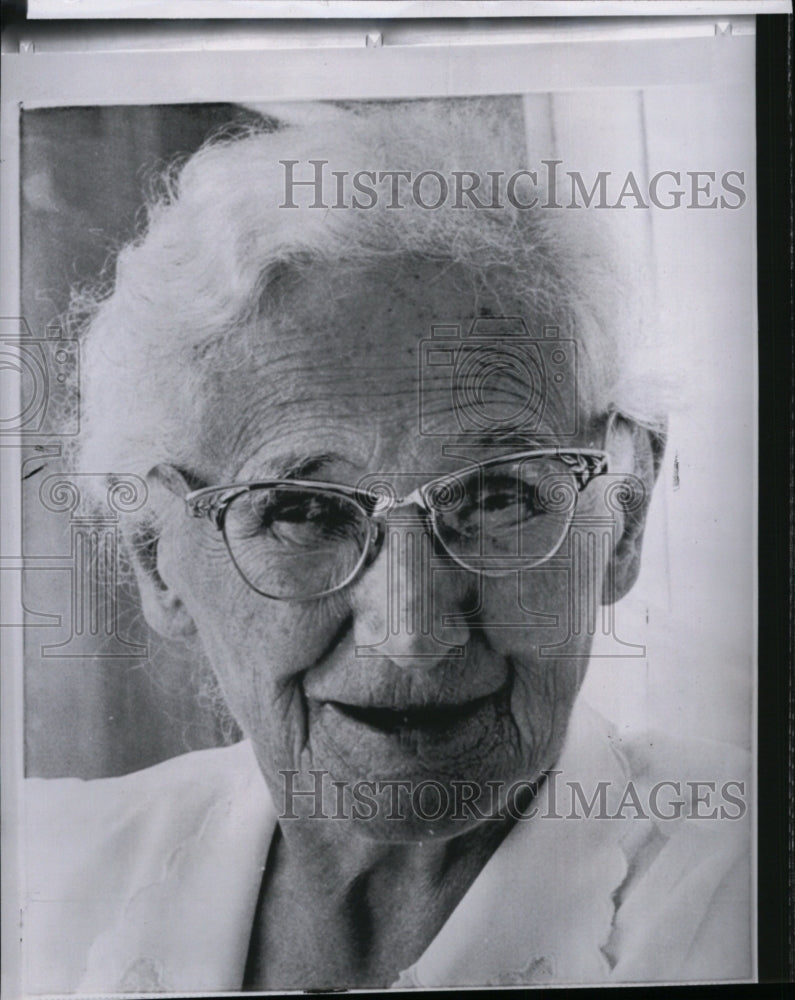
(200, 850)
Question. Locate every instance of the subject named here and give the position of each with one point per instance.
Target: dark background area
(776, 723)
(84, 173)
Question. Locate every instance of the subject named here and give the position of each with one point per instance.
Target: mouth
(426, 718)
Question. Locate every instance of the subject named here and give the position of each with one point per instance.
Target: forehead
(382, 365)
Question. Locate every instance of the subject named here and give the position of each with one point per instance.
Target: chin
(402, 810)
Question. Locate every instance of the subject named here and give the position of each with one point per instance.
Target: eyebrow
(301, 466)
(287, 467)
(504, 437)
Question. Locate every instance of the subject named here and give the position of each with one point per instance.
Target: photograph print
(387, 536)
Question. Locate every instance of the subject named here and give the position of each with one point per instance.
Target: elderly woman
(397, 458)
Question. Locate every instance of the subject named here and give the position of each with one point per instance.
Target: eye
(503, 491)
(500, 491)
(293, 517)
(492, 504)
(293, 508)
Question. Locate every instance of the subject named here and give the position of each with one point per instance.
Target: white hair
(192, 290)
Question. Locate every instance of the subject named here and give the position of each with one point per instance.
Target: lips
(427, 718)
(442, 738)
(349, 682)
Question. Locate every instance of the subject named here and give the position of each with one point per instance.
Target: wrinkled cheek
(541, 702)
(528, 621)
(259, 650)
(533, 614)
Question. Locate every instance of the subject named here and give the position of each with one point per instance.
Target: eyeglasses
(299, 540)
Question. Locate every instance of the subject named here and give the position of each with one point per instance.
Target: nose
(401, 601)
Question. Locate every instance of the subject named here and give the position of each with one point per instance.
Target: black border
(776, 716)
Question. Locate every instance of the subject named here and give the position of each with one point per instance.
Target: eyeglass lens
(296, 542)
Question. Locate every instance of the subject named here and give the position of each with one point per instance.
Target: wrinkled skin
(337, 379)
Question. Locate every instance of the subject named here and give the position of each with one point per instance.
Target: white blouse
(149, 882)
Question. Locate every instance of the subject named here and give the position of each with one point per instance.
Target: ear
(641, 452)
(163, 608)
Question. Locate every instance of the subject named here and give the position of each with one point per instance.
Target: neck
(339, 909)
